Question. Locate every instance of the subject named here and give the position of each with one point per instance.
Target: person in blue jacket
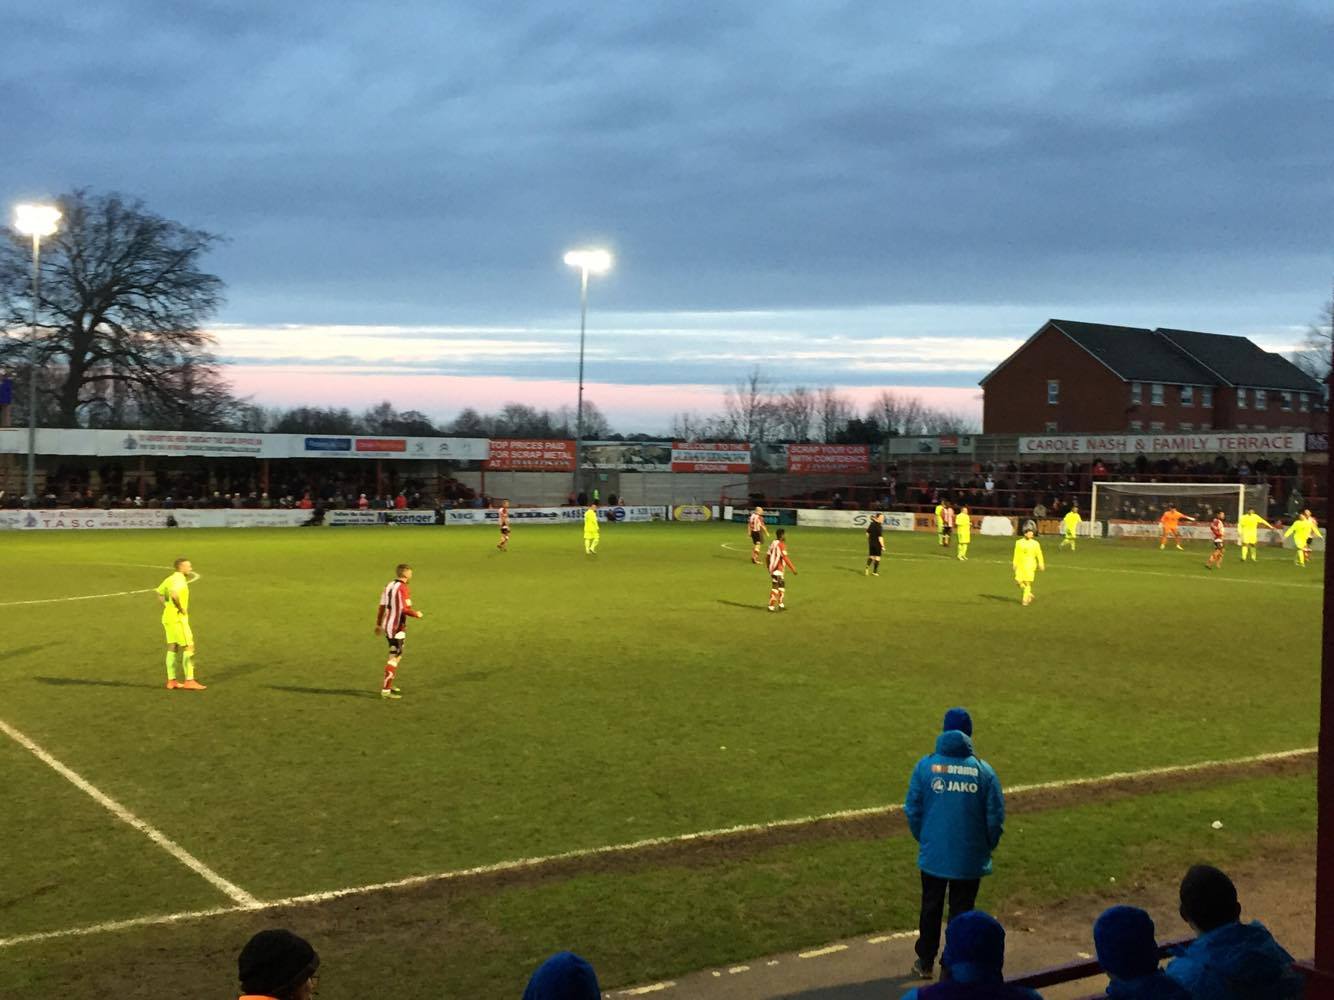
(956, 812)
(973, 966)
(1128, 952)
(1229, 960)
(563, 976)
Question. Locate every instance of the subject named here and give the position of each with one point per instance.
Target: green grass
(555, 702)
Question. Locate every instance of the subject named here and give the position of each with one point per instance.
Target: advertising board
(239, 518)
(894, 520)
(85, 520)
(519, 455)
(853, 458)
(717, 457)
(691, 512)
(1163, 444)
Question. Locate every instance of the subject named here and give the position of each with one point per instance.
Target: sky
(850, 194)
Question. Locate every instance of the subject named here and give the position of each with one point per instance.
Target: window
(1207, 396)
(1241, 397)
(1188, 395)
(1261, 399)
(1137, 392)
(1185, 425)
(1053, 391)
(1306, 402)
(1287, 401)
(1156, 391)
(1051, 427)
(1156, 425)
(1137, 425)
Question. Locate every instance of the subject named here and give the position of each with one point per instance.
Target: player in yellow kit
(1027, 561)
(173, 594)
(1248, 533)
(592, 532)
(1301, 531)
(963, 527)
(1070, 527)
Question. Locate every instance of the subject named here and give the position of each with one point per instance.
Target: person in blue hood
(563, 976)
(973, 966)
(1229, 960)
(956, 812)
(1128, 953)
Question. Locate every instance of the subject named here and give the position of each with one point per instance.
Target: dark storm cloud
(417, 162)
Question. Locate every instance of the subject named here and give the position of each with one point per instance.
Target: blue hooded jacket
(1237, 961)
(955, 810)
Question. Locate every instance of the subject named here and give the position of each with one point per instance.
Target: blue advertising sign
(328, 444)
(6, 391)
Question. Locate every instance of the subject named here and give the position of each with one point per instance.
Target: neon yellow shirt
(940, 515)
(1301, 531)
(1028, 557)
(1248, 526)
(175, 584)
(591, 529)
(1071, 523)
(963, 525)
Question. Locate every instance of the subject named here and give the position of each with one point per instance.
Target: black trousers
(962, 893)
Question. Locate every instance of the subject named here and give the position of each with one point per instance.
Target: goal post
(1144, 503)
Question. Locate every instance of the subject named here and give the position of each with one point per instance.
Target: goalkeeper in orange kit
(1171, 524)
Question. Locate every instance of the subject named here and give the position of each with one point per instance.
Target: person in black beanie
(278, 965)
(1229, 958)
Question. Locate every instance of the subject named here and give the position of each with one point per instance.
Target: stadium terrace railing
(1074, 972)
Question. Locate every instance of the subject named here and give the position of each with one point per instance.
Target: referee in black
(875, 543)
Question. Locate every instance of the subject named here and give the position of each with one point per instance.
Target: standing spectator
(1128, 952)
(400, 501)
(973, 965)
(278, 965)
(1228, 959)
(956, 812)
(563, 976)
(363, 503)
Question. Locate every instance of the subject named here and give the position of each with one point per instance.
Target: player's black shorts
(873, 547)
(1218, 543)
(396, 641)
(778, 582)
(505, 529)
(946, 529)
(756, 537)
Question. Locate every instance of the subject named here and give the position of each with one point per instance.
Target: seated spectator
(973, 963)
(1229, 958)
(278, 965)
(1128, 953)
(563, 976)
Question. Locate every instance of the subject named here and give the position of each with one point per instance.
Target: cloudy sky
(854, 194)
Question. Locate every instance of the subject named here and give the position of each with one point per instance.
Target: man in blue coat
(1229, 960)
(956, 812)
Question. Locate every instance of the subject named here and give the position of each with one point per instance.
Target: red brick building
(1089, 377)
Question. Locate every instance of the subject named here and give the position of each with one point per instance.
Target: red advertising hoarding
(516, 455)
(727, 456)
(381, 444)
(828, 458)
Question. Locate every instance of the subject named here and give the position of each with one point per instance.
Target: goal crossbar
(1147, 501)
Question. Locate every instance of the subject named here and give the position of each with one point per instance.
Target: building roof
(1136, 354)
(1183, 357)
(1238, 361)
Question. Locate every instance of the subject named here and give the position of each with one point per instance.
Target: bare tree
(748, 408)
(833, 411)
(123, 298)
(794, 413)
(1317, 352)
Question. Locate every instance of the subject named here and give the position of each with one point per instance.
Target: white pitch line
(896, 936)
(194, 578)
(233, 892)
(820, 952)
(640, 991)
(624, 848)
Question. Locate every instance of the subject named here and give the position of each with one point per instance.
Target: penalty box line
(251, 904)
(229, 889)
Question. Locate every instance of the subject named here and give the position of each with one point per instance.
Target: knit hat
(1208, 898)
(563, 976)
(958, 718)
(1123, 938)
(274, 962)
(974, 948)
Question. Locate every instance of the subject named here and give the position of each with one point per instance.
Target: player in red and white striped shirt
(1216, 529)
(778, 561)
(758, 529)
(391, 620)
(504, 542)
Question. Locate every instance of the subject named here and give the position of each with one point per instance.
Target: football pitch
(556, 704)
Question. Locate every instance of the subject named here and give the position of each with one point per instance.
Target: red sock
(389, 676)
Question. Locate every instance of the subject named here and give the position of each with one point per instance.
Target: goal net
(1134, 508)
